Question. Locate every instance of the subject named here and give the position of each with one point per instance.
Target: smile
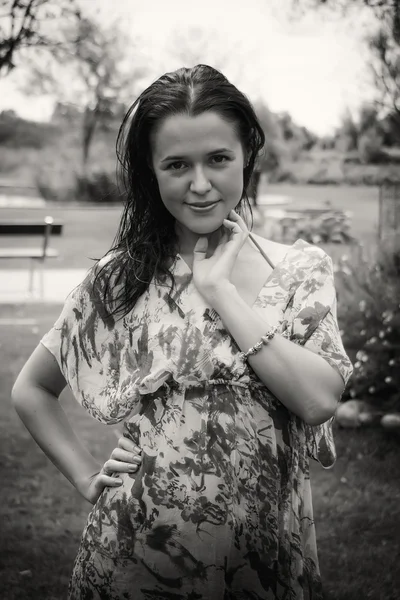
(201, 207)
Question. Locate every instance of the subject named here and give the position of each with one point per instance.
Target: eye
(177, 165)
(219, 159)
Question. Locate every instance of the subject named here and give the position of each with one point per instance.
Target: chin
(204, 228)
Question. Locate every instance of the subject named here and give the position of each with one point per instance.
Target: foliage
(383, 44)
(330, 226)
(285, 141)
(18, 133)
(385, 66)
(390, 126)
(347, 135)
(95, 77)
(31, 23)
(273, 152)
(98, 187)
(370, 320)
(382, 10)
(370, 146)
(370, 126)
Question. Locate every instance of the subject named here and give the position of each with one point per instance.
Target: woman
(220, 353)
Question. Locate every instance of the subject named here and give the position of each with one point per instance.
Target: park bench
(38, 254)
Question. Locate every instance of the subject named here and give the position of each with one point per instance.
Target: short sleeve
(92, 351)
(58, 340)
(315, 327)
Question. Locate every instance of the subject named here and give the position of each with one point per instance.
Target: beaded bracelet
(263, 341)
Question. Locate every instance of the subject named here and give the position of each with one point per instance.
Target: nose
(200, 183)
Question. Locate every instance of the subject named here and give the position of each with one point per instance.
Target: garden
(93, 70)
(357, 503)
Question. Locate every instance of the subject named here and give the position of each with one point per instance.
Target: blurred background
(324, 77)
(321, 74)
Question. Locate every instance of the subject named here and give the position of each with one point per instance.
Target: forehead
(183, 134)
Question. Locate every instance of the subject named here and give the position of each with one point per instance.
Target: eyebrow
(217, 151)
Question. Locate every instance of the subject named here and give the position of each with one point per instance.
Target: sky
(313, 67)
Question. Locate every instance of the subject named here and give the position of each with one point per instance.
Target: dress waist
(211, 383)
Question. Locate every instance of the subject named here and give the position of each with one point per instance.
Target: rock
(391, 421)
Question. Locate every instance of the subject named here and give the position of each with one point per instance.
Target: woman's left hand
(213, 274)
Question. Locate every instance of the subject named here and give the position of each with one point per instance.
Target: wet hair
(146, 243)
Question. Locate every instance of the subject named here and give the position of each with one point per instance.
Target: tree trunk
(90, 118)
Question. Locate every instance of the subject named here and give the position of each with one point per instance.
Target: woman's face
(198, 162)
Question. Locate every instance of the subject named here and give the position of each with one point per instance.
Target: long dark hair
(145, 245)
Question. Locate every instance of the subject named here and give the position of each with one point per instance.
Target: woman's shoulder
(300, 253)
(108, 259)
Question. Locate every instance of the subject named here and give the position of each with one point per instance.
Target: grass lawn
(357, 503)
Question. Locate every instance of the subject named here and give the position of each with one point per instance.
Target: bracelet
(263, 341)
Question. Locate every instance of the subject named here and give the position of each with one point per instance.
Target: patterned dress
(221, 506)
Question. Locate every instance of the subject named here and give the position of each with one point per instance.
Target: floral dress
(221, 506)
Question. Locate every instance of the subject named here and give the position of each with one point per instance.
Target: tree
(273, 152)
(385, 66)
(199, 46)
(346, 137)
(95, 78)
(31, 24)
(383, 43)
(382, 10)
(368, 118)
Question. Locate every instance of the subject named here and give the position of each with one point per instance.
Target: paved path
(57, 284)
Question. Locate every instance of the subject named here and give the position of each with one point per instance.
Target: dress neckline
(278, 266)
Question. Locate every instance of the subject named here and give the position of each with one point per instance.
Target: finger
(234, 216)
(127, 444)
(201, 245)
(125, 456)
(237, 237)
(117, 466)
(221, 244)
(200, 249)
(108, 481)
(111, 466)
(233, 227)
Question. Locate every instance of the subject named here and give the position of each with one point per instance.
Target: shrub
(98, 187)
(328, 227)
(18, 133)
(370, 320)
(370, 146)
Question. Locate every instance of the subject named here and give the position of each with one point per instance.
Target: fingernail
(133, 467)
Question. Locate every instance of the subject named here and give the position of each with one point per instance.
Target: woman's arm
(35, 398)
(302, 380)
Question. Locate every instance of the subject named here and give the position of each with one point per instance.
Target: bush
(18, 133)
(370, 321)
(328, 227)
(98, 187)
(370, 146)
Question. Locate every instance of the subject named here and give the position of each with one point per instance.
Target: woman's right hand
(125, 458)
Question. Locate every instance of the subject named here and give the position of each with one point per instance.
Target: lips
(202, 204)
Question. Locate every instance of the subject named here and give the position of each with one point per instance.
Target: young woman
(220, 353)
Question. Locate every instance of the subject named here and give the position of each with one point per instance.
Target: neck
(187, 240)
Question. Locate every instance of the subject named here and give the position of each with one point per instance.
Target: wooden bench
(38, 254)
